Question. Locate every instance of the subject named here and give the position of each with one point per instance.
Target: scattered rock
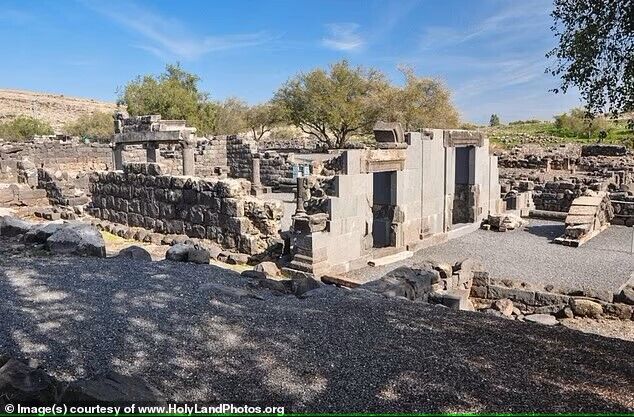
(12, 226)
(237, 259)
(20, 383)
(111, 388)
(268, 268)
(135, 252)
(545, 319)
(622, 311)
(41, 232)
(185, 252)
(627, 295)
(504, 306)
(586, 308)
(77, 239)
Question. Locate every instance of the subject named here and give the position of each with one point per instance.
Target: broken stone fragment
(504, 306)
(545, 319)
(135, 252)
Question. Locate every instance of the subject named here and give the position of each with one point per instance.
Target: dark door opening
(383, 204)
(464, 204)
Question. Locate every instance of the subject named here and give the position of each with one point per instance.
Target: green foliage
(420, 103)
(495, 120)
(335, 104)
(595, 52)
(347, 101)
(173, 94)
(231, 117)
(522, 122)
(96, 126)
(24, 127)
(261, 118)
(578, 124)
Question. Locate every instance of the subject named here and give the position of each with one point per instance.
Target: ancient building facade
(417, 189)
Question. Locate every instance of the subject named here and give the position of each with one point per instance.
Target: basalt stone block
(233, 207)
(522, 296)
(175, 227)
(548, 298)
(148, 223)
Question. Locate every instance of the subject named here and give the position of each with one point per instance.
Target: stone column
(117, 157)
(188, 158)
(151, 153)
(301, 192)
(255, 175)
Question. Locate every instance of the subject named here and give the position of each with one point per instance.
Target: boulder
(504, 306)
(178, 253)
(545, 319)
(186, 252)
(135, 252)
(237, 259)
(302, 285)
(586, 308)
(77, 239)
(41, 232)
(111, 388)
(11, 226)
(412, 283)
(268, 268)
(20, 383)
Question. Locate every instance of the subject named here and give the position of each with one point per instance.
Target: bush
(96, 126)
(577, 123)
(24, 127)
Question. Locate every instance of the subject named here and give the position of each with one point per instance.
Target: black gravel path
(199, 333)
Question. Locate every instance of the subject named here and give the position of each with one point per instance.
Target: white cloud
(168, 37)
(343, 37)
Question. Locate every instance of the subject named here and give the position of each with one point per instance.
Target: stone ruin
(416, 189)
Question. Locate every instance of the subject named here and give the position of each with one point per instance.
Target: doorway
(465, 190)
(383, 207)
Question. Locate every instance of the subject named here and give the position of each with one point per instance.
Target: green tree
(97, 126)
(173, 94)
(420, 103)
(231, 117)
(261, 118)
(595, 52)
(494, 120)
(335, 104)
(577, 123)
(24, 127)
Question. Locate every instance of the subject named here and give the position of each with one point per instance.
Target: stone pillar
(301, 192)
(255, 175)
(188, 158)
(151, 153)
(117, 157)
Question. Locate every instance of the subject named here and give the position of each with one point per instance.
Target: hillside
(56, 109)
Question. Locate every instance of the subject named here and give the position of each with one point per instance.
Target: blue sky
(489, 52)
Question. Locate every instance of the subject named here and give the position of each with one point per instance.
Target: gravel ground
(201, 333)
(603, 262)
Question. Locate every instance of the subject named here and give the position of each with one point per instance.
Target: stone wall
(556, 195)
(216, 209)
(73, 156)
(62, 189)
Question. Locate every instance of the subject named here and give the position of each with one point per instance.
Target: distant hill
(56, 109)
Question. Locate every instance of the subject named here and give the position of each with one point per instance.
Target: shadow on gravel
(549, 231)
(337, 350)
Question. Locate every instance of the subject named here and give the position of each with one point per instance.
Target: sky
(490, 53)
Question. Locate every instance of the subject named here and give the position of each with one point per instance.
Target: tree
(420, 103)
(98, 126)
(24, 127)
(173, 94)
(231, 117)
(335, 104)
(261, 118)
(495, 120)
(578, 123)
(596, 52)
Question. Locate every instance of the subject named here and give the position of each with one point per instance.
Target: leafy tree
(596, 52)
(335, 104)
(24, 127)
(261, 118)
(98, 126)
(173, 94)
(495, 120)
(231, 117)
(577, 123)
(420, 103)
